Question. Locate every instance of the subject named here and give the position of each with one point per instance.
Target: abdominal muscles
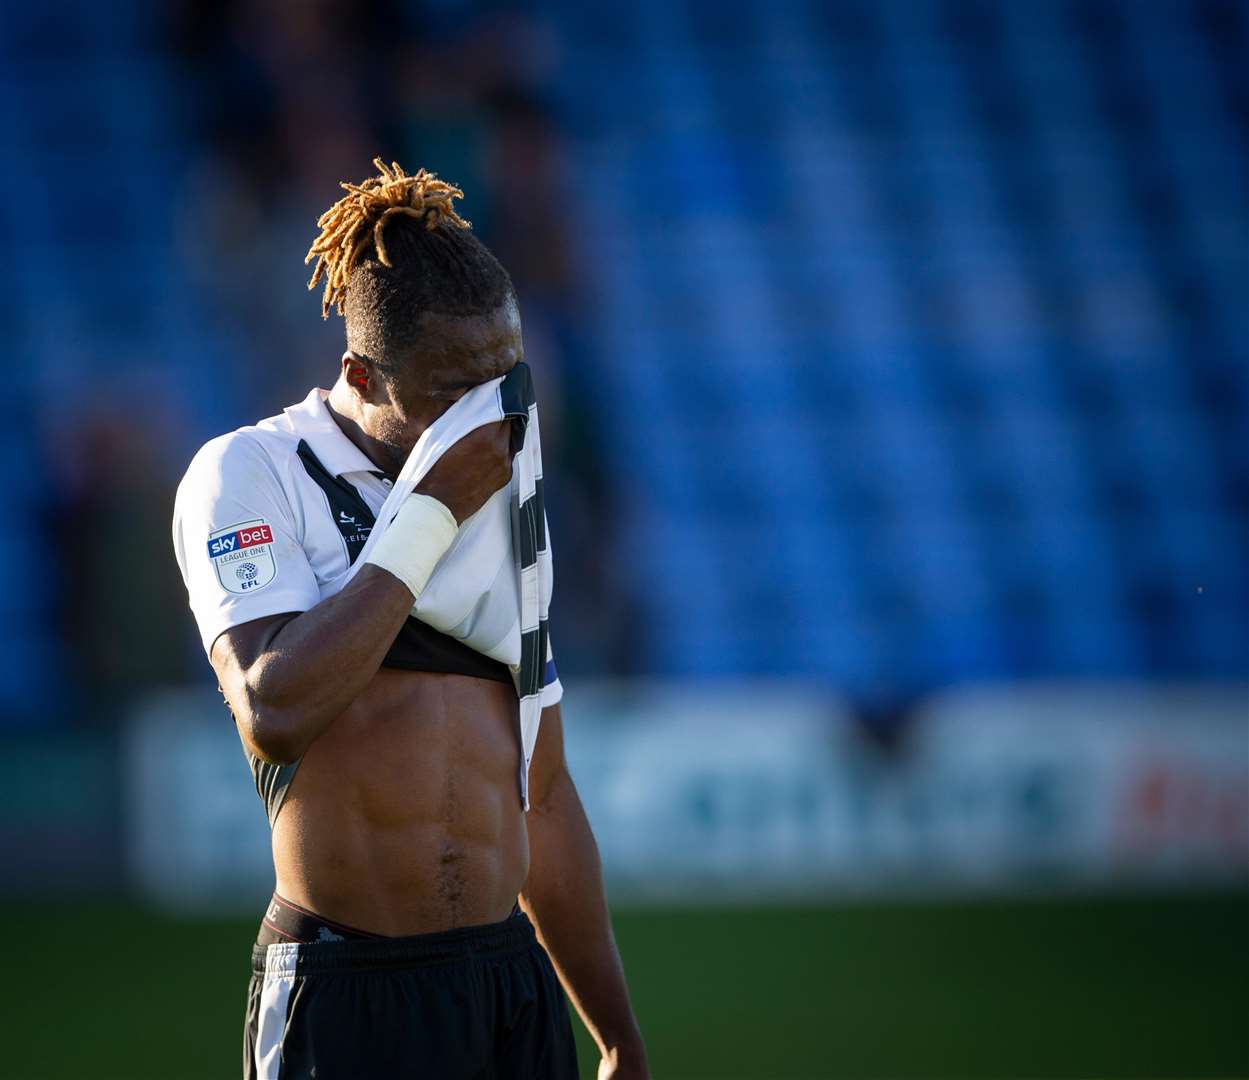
(405, 816)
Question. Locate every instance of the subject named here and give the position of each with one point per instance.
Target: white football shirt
(254, 534)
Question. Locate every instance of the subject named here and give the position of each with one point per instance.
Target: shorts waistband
(285, 920)
(513, 934)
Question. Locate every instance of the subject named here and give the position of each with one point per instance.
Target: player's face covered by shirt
(456, 354)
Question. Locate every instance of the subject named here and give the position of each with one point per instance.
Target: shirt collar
(312, 422)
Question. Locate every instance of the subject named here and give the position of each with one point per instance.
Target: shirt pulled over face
(255, 535)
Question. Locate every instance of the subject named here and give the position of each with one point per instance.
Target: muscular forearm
(313, 665)
(564, 897)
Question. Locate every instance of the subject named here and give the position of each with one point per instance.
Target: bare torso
(404, 816)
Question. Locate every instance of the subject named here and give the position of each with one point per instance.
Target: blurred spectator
(120, 632)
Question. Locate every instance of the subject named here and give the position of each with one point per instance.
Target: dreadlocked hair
(394, 249)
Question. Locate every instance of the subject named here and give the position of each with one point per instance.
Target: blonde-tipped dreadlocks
(394, 255)
(359, 218)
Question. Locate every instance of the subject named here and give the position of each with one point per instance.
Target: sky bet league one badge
(243, 556)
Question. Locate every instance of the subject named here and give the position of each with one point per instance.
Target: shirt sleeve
(235, 540)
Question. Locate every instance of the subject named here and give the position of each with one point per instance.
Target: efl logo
(240, 539)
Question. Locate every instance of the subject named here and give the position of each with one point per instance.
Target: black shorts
(480, 1002)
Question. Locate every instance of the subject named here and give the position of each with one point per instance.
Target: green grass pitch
(1144, 987)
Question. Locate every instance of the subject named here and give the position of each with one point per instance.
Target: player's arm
(287, 677)
(564, 897)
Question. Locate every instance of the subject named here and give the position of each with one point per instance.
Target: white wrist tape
(417, 538)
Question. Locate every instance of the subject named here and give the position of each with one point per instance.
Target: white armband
(417, 538)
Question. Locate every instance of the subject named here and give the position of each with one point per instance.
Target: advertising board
(741, 792)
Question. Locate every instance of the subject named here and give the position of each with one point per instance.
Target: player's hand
(624, 1064)
(472, 470)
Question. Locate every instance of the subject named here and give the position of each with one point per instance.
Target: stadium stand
(98, 311)
(931, 321)
(919, 326)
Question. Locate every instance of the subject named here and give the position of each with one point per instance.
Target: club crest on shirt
(242, 555)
